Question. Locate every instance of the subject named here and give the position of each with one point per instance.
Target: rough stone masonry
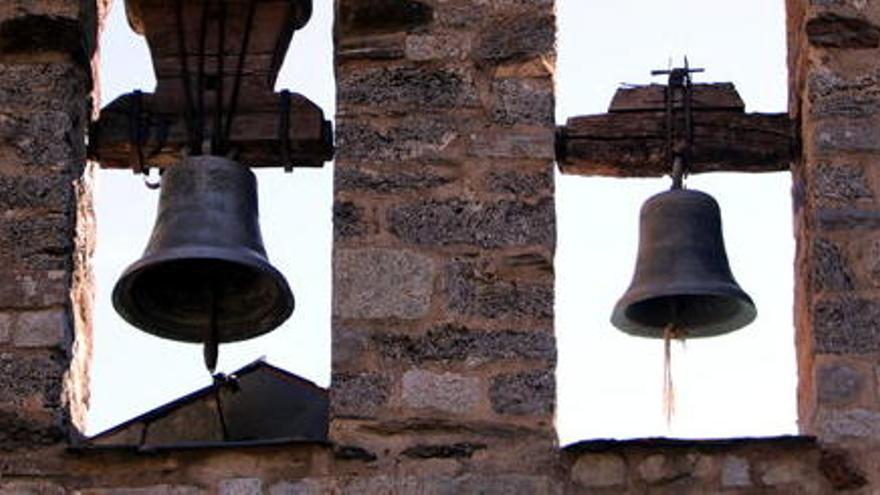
(443, 346)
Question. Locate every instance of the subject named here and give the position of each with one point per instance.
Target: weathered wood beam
(219, 61)
(625, 145)
(707, 97)
(254, 134)
(630, 141)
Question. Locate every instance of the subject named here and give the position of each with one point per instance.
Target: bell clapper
(211, 347)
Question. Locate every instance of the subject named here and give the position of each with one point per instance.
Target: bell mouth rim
(249, 257)
(746, 314)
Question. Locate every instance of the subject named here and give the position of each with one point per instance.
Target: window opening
(610, 384)
(132, 371)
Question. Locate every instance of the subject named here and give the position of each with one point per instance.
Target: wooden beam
(706, 97)
(186, 40)
(254, 134)
(630, 141)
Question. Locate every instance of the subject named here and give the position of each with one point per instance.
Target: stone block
(523, 101)
(348, 220)
(496, 484)
(381, 283)
(859, 424)
(484, 224)
(526, 393)
(830, 30)
(705, 467)
(32, 34)
(46, 328)
(835, 96)
(372, 47)
(516, 38)
(446, 392)
(407, 88)
(521, 184)
(471, 291)
(837, 219)
(834, 136)
(831, 270)
(783, 472)
(45, 138)
(869, 254)
(372, 182)
(462, 16)
(46, 86)
(31, 379)
(240, 486)
(661, 468)
(599, 471)
(414, 137)
(846, 325)
(358, 395)
(839, 468)
(462, 450)
(11, 9)
(841, 184)
(31, 488)
(8, 321)
(164, 489)
(353, 453)
(736, 472)
(34, 289)
(37, 243)
(837, 383)
(51, 193)
(452, 343)
(534, 144)
(424, 47)
(30, 429)
(303, 487)
(359, 17)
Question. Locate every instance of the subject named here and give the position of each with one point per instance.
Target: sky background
(608, 384)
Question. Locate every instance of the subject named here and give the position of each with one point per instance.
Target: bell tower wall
(444, 236)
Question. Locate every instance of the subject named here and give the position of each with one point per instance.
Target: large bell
(682, 276)
(204, 276)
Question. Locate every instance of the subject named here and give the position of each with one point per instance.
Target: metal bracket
(140, 124)
(679, 154)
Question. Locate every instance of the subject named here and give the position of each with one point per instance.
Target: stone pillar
(45, 218)
(835, 74)
(444, 234)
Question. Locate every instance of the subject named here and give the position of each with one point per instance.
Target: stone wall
(443, 346)
(835, 74)
(45, 219)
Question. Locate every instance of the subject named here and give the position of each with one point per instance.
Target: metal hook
(155, 183)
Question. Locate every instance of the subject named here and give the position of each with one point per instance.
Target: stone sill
(189, 446)
(662, 443)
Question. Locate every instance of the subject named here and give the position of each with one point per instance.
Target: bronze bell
(204, 276)
(682, 276)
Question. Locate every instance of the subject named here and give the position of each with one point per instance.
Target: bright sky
(609, 384)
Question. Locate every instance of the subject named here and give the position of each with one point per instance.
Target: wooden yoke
(231, 95)
(630, 140)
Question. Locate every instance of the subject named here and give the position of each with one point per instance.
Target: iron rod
(218, 147)
(184, 75)
(236, 86)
